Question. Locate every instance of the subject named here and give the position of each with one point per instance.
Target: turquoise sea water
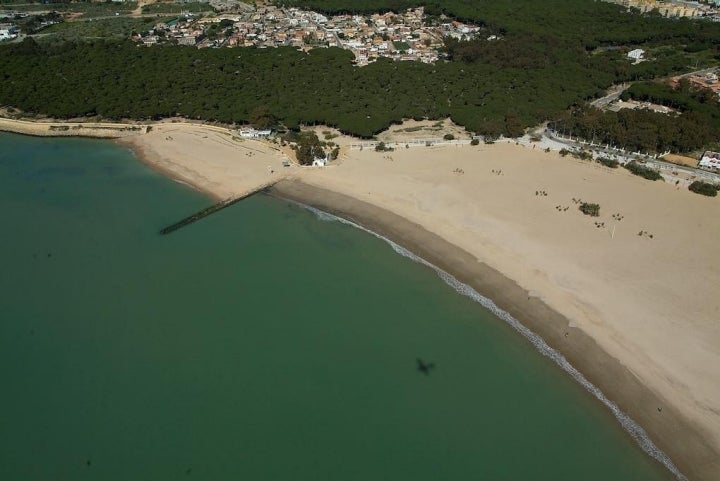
(260, 343)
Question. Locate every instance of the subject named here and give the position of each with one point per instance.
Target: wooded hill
(550, 57)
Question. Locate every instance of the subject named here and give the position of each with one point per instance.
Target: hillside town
(674, 8)
(398, 36)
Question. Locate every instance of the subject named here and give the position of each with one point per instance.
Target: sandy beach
(628, 297)
(211, 159)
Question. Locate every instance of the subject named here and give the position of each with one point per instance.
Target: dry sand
(210, 158)
(639, 315)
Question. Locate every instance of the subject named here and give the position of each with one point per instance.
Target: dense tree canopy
(695, 125)
(547, 59)
(122, 80)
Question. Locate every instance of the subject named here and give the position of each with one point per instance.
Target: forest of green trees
(550, 58)
(694, 125)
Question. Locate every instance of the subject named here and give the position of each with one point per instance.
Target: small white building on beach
(320, 162)
(254, 134)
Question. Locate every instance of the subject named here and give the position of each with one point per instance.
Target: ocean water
(261, 343)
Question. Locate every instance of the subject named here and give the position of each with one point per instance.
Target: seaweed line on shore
(634, 429)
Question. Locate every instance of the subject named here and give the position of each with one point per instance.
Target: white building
(636, 55)
(254, 134)
(7, 31)
(710, 161)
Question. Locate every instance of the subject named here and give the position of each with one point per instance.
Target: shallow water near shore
(258, 343)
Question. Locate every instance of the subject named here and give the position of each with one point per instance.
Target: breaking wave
(633, 428)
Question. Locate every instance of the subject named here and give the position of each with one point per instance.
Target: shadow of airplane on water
(425, 367)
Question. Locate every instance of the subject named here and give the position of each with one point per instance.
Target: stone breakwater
(72, 129)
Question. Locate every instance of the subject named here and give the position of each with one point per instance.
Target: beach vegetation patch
(382, 147)
(704, 188)
(578, 154)
(643, 171)
(612, 163)
(306, 145)
(587, 208)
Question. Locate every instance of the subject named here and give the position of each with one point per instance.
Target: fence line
(409, 143)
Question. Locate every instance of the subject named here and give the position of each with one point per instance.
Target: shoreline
(675, 436)
(209, 159)
(643, 353)
(53, 128)
(146, 159)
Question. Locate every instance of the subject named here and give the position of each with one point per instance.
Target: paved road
(624, 157)
(613, 93)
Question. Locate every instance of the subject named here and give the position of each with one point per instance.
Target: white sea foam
(633, 428)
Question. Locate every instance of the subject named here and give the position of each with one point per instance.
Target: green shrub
(704, 188)
(642, 171)
(593, 210)
(613, 164)
(582, 155)
(474, 142)
(449, 137)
